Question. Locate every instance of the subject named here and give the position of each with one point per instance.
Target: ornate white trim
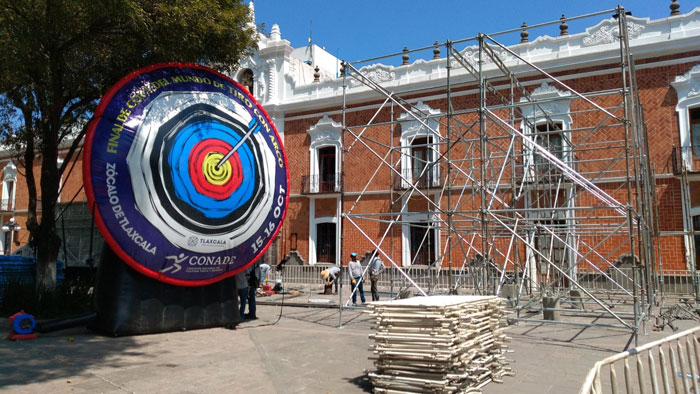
(692, 73)
(325, 130)
(550, 94)
(9, 186)
(377, 73)
(9, 172)
(609, 32)
(688, 92)
(471, 55)
(271, 72)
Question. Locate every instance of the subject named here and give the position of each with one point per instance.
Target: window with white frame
(419, 146)
(324, 156)
(546, 120)
(420, 235)
(688, 108)
(9, 186)
(694, 115)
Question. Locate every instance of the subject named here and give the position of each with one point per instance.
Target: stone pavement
(304, 352)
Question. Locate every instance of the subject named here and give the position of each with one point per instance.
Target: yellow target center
(213, 175)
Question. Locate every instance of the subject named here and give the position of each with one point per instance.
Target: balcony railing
(324, 183)
(678, 153)
(430, 178)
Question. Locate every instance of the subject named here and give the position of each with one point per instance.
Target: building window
(325, 243)
(8, 243)
(324, 160)
(419, 147)
(549, 135)
(8, 195)
(695, 131)
(420, 238)
(687, 87)
(246, 79)
(422, 244)
(326, 169)
(421, 157)
(547, 121)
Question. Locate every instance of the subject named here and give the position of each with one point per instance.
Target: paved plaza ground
(303, 352)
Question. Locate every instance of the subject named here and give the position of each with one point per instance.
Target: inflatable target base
(128, 303)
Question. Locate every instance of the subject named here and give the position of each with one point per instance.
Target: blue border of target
(121, 109)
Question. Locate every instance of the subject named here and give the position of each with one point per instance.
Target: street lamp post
(12, 227)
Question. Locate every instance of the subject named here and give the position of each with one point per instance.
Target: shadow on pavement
(62, 354)
(362, 382)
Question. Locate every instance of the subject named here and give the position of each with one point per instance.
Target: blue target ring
(178, 159)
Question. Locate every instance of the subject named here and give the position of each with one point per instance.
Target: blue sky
(361, 29)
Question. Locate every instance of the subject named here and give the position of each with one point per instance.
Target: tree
(60, 56)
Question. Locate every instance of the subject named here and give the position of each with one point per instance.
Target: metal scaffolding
(522, 186)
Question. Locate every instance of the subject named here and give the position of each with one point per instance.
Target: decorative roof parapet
(609, 31)
(377, 73)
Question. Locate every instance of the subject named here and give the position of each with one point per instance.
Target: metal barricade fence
(669, 365)
(678, 283)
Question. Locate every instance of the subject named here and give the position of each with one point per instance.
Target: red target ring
(220, 183)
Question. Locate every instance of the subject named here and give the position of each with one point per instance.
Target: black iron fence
(324, 183)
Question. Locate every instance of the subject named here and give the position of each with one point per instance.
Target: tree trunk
(48, 243)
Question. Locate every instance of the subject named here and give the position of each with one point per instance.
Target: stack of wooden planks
(438, 344)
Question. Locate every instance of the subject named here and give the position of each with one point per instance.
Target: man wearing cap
(355, 271)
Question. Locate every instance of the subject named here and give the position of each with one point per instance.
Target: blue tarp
(22, 269)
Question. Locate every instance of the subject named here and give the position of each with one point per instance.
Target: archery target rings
(187, 174)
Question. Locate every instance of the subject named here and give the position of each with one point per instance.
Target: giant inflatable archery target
(187, 174)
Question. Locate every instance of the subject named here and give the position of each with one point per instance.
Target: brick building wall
(656, 95)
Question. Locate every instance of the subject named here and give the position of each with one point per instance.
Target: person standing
(253, 284)
(376, 267)
(242, 288)
(355, 271)
(246, 283)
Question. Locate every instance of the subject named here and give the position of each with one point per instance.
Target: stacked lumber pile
(438, 344)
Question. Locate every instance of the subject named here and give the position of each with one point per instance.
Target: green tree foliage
(59, 56)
